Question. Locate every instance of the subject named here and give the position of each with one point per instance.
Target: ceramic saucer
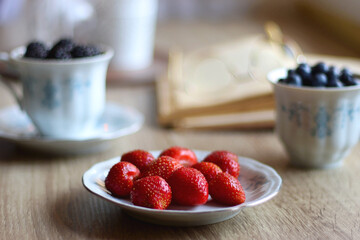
(116, 122)
(260, 183)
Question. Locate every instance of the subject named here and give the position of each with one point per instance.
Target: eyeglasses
(205, 73)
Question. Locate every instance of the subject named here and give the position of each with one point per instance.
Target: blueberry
(319, 80)
(303, 68)
(319, 75)
(281, 80)
(334, 82)
(319, 68)
(350, 82)
(291, 72)
(294, 79)
(333, 72)
(346, 71)
(346, 77)
(304, 71)
(307, 81)
(355, 82)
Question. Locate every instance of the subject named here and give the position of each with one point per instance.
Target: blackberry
(59, 53)
(65, 43)
(61, 49)
(84, 51)
(36, 50)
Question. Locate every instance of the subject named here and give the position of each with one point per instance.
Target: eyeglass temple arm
(274, 34)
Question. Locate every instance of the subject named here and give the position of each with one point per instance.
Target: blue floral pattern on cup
(28, 85)
(322, 118)
(78, 85)
(50, 99)
(295, 111)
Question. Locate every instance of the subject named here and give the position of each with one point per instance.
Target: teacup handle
(4, 57)
(8, 70)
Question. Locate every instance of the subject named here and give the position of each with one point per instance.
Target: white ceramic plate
(116, 122)
(259, 181)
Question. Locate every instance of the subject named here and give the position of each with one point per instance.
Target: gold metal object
(290, 46)
(285, 52)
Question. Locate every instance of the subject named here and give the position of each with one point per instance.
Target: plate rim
(136, 126)
(276, 177)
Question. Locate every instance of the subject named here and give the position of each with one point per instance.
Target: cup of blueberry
(63, 85)
(317, 113)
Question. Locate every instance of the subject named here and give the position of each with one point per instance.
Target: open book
(200, 90)
(212, 88)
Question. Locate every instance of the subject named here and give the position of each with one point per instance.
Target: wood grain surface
(42, 196)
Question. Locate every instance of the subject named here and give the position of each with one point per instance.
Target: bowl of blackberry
(64, 49)
(63, 85)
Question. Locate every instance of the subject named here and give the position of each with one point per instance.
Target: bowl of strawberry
(180, 186)
(317, 113)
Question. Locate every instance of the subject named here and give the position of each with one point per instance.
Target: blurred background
(146, 34)
(324, 26)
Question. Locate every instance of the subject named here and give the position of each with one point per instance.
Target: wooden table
(42, 197)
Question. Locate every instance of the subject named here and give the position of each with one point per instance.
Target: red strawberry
(226, 189)
(163, 166)
(184, 155)
(119, 180)
(151, 192)
(140, 158)
(208, 169)
(189, 187)
(227, 161)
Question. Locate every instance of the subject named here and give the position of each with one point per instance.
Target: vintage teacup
(318, 126)
(64, 99)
